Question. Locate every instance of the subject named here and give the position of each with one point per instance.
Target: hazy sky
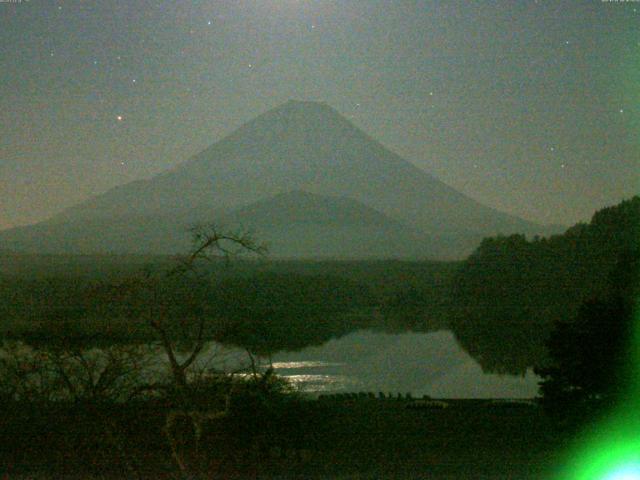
(531, 107)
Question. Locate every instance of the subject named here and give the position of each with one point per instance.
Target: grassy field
(332, 439)
(466, 440)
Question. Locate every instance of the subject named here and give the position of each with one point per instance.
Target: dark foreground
(345, 439)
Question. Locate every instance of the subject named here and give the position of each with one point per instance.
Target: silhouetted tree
(175, 304)
(591, 355)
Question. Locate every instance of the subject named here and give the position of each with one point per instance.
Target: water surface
(417, 363)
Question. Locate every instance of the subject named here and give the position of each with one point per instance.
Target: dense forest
(507, 296)
(265, 306)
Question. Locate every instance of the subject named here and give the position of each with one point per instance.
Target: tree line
(508, 295)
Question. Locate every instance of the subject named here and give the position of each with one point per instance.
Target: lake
(420, 363)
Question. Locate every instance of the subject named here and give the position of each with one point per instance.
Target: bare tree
(209, 244)
(183, 326)
(85, 377)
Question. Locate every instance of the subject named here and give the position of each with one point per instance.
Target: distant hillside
(298, 146)
(510, 291)
(303, 225)
(116, 235)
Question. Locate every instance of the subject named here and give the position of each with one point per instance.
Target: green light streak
(610, 450)
(628, 472)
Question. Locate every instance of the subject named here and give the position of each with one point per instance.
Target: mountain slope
(293, 225)
(303, 225)
(297, 146)
(300, 207)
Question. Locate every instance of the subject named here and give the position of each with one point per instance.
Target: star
(119, 118)
(621, 110)
(552, 149)
(209, 22)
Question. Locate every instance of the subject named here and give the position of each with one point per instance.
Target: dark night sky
(531, 107)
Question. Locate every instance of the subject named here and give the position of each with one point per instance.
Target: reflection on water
(363, 361)
(323, 383)
(304, 364)
(419, 363)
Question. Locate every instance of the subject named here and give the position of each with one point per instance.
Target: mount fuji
(302, 177)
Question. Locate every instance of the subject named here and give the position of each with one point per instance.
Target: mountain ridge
(299, 145)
